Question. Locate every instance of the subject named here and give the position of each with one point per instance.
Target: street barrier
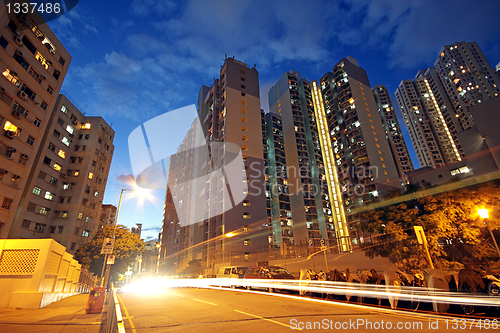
(112, 319)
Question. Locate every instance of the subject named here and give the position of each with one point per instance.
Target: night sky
(134, 60)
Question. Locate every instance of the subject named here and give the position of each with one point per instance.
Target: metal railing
(112, 321)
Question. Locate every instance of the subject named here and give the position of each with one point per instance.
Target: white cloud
(167, 51)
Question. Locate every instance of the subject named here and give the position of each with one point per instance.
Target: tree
(456, 235)
(127, 247)
(194, 268)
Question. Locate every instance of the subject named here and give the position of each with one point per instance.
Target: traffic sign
(107, 245)
(419, 232)
(111, 260)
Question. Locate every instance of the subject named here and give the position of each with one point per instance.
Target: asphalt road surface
(202, 310)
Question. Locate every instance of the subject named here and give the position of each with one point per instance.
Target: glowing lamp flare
(483, 213)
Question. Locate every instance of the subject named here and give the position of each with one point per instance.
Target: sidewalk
(67, 315)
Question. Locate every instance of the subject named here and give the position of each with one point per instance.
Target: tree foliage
(194, 268)
(127, 246)
(456, 235)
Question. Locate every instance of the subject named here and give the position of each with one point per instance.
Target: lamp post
(105, 266)
(484, 215)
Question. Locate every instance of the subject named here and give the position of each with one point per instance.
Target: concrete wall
(37, 272)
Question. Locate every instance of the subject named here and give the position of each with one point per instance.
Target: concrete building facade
(108, 216)
(467, 78)
(365, 165)
(393, 130)
(231, 119)
(312, 207)
(33, 63)
(433, 140)
(62, 198)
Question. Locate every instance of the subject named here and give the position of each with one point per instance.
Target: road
(202, 310)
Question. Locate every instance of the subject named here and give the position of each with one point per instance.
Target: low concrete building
(37, 272)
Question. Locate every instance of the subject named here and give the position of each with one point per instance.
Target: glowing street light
(141, 193)
(483, 212)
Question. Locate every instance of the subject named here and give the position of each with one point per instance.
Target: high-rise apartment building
(467, 78)
(137, 229)
(107, 218)
(364, 158)
(312, 214)
(366, 168)
(62, 196)
(433, 140)
(436, 104)
(393, 130)
(279, 201)
(33, 64)
(230, 114)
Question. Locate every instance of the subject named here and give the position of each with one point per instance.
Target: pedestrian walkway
(67, 315)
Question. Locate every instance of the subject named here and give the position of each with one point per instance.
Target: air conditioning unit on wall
(22, 94)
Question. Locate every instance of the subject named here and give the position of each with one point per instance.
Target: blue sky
(134, 60)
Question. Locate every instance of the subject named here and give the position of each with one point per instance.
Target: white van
(231, 272)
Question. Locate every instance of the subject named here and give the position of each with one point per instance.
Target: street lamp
(483, 212)
(105, 268)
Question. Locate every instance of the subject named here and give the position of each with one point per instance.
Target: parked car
(267, 272)
(231, 272)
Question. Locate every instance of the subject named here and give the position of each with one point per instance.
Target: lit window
(61, 153)
(10, 127)
(65, 213)
(43, 211)
(246, 242)
(246, 203)
(66, 141)
(243, 119)
(246, 216)
(244, 148)
(91, 175)
(244, 128)
(76, 173)
(57, 167)
(37, 190)
(70, 129)
(86, 126)
(65, 186)
(244, 138)
(49, 196)
(80, 216)
(63, 109)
